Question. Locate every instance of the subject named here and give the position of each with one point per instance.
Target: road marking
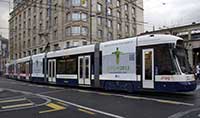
(54, 107)
(52, 87)
(24, 107)
(83, 107)
(139, 98)
(102, 93)
(158, 100)
(18, 105)
(84, 91)
(86, 111)
(13, 100)
(61, 103)
(181, 114)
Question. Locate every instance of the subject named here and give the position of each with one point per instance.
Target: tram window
(61, 66)
(139, 61)
(71, 66)
(163, 61)
(22, 67)
(66, 66)
(87, 67)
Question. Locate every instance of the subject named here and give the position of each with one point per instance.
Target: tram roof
(157, 39)
(24, 59)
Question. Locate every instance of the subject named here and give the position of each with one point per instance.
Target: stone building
(3, 54)
(68, 23)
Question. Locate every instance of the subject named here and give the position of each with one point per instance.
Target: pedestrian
(198, 71)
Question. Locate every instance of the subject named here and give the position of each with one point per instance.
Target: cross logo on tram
(117, 54)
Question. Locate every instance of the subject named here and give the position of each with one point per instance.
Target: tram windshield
(181, 54)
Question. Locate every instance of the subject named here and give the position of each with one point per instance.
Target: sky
(170, 13)
(4, 17)
(158, 13)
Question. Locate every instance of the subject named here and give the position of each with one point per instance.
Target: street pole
(46, 38)
(90, 21)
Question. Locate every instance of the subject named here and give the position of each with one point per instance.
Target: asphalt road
(28, 100)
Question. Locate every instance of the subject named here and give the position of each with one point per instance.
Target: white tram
(150, 62)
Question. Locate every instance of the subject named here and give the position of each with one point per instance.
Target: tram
(143, 63)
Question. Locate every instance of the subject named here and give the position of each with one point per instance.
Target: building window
(76, 31)
(47, 24)
(35, 51)
(110, 36)
(41, 50)
(99, 20)
(34, 41)
(29, 22)
(126, 16)
(34, 8)
(99, 7)
(67, 3)
(84, 31)
(29, 53)
(109, 23)
(119, 27)
(56, 47)
(68, 44)
(40, 27)
(24, 25)
(55, 35)
(40, 39)
(29, 11)
(84, 42)
(118, 3)
(134, 31)
(126, 29)
(100, 34)
(34, 30)
(134, 21)
(24, 54)
(24, 14)
(68, 17)
(55, 21)
(118, 14)
(133, 10)
(76, 16)
(34, 20)
(68, 31)
(118, 36)
(24, 44)
(76, 2)
(126, 7)
(109, 11)
(84, 17)
(29, 42)
(109, 1)
(41, 16)
(83, 3)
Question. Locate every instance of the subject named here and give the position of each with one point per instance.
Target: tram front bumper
(176, 86)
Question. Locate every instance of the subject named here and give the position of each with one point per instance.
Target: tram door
(84, 70)
(148, 68)
(52, 71)
(27, 71)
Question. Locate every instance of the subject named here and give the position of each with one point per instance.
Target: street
(23, 99)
